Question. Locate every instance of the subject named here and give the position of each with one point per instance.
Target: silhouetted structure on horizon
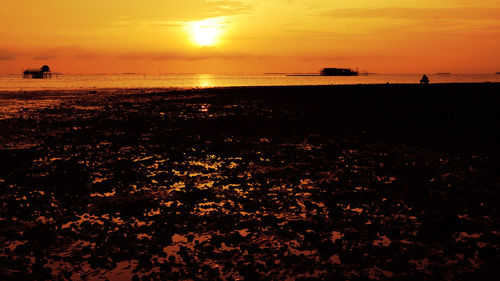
(42, 73)
(424, 80)
(339, 72)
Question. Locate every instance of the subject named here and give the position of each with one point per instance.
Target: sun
(205, 33)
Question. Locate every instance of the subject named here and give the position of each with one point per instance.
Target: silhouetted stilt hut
(42, 73)
(339, 72)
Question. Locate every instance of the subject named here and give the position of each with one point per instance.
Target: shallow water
(106, 81)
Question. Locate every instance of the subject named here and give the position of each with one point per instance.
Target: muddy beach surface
(262, 183)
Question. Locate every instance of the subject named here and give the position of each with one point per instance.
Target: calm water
(61, 82)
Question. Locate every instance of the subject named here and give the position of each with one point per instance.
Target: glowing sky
(147, 36)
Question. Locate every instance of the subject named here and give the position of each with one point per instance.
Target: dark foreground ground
(278, 183)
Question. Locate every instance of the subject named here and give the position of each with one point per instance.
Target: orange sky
(103, 36)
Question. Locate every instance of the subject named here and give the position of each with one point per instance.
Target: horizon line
(254, 74)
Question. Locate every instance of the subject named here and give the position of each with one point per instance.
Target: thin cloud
(470, 13)
(326, 57)
(45, 57)
(76, 52)
(225, 7)
(204, 9)
(131, 22)
(87, 56)
(201, 54)
(7, 55)
(51, 53)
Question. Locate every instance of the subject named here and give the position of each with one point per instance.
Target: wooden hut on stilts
(42, 73)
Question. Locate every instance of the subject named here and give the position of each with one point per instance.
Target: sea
(13, 82)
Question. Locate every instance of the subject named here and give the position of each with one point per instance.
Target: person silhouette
(424, 80)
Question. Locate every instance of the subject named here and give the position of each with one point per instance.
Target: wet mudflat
(274, 183)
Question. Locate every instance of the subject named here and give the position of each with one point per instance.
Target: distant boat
(338, 72)
(497, 73)
(443, 73)
(42, 73)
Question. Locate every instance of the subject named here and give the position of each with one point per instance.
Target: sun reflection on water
(205, 81)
